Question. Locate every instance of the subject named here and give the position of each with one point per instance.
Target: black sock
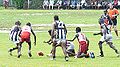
(54, 57)
(15, 48)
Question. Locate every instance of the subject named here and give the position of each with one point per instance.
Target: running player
(25, 36)
(106, 37)
(113, 13)
(59, 29)
(14, 36)
(107, 22)
(83, 43)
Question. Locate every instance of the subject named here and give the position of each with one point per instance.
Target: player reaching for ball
(69, 46)
(61, 31)
(25, 36)
(83, 44)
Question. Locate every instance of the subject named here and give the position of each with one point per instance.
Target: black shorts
(114, 21)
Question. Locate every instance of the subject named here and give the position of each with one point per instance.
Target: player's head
(28, 24)
(105, 11)
(78, 29)
(49, 31)
(101, 21)
(56, 17)
(17, 23)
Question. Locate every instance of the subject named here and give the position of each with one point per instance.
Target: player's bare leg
(53, 50)
(100, 47)
(114, 48)
(29, 51)
(116, 31)
(12, 49)
(19, 49)
(63, 45)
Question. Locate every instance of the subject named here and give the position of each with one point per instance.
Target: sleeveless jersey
(26, 30)
(60, 30)
(14, 33)
(81, 37)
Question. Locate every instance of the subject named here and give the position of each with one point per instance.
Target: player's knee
(100, 43)
(115, 28)
(110, 44)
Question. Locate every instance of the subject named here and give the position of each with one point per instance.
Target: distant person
(45, 4)
(14, 36)
(6, 3)
(113, 13)
(59, 4)
(51, 4)
(25, 34)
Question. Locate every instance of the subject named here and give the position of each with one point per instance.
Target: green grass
(110, 59)
(8, 17)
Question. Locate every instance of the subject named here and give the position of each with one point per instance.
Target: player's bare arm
(34, 37)
(73, 38)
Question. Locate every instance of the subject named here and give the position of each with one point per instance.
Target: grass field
(8, 17)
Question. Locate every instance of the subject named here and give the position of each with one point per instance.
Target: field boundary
(68, 25)
(7, 30)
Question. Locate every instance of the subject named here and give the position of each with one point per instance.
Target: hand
(34, 43)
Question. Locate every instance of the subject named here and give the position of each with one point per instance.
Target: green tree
(18, 3)
(36, 4)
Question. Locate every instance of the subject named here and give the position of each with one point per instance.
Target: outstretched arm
(73, 38)
(65, 28)
(49, 41)
(34, 37)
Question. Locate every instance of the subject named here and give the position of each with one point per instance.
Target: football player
(25, 36)
(14, 36)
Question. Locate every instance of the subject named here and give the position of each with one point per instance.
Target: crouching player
(69, 46)
(14, 36)
(106, 37)
(83, 44)
(25, 36)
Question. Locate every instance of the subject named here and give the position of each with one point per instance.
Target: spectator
(119, 4)
(59, 4)
(45, 4)
(73, 4)
(78, 5)
(6, 3)
(51, 4)
(99, 5)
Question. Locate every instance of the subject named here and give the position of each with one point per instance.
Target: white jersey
(26, 29)
(106, 33)
(81, 37)
(70, 45)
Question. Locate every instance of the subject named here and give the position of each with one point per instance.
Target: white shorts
(108, 37)
(59, 41)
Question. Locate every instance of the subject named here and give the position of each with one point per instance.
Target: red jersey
(26, 30)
